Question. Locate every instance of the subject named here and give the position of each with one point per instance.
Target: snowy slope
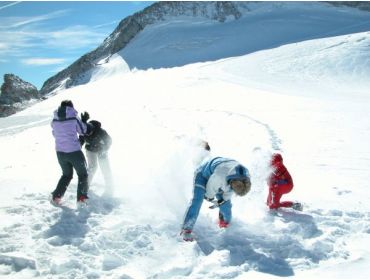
(181, 40)
(313, 110)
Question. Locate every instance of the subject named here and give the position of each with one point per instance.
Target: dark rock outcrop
(362, 5)
(16, 94)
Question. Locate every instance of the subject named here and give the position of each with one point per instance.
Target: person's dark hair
(66, 103)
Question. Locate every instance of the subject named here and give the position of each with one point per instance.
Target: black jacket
(99, 140)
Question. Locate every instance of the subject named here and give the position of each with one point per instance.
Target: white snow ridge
(308, 99)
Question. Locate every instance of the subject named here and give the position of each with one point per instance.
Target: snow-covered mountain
(307, 99)
(204, 31)
(16, 94)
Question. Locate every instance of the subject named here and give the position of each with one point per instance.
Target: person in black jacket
(97, 144)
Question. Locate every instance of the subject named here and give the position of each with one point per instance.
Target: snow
(308, 99)
(265, 25)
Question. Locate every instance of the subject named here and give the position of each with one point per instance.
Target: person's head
(66, 103)
(93, 126)
(206, 146)
(241, 187)
(276, 158)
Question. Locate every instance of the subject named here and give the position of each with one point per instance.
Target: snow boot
(297, 206)
(56, 200)
(187, 235)
(82, 201)
(221, 222)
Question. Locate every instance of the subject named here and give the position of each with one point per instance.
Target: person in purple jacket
(66, 127)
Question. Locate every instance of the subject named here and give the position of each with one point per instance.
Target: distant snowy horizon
(308, 100)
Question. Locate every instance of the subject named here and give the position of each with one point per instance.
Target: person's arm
(107, 140)
(82, 126)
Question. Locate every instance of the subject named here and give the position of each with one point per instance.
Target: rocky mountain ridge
(16, 94)
(129, 27)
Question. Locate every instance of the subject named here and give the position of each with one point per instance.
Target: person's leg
(192, 212)
(66, 177)
(225, 214)
(284, 189)
(194, 208)
(276, 194)
(106, 171)
(92, 164)
(79, 163)
(224, 209)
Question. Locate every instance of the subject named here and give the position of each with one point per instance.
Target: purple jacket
(66, 126)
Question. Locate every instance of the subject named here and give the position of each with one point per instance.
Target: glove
(217, 203)
(208, 199)
(85, 117)
(81, 139)
(187, 235)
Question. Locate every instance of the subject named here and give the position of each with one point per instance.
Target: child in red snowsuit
(280, 182)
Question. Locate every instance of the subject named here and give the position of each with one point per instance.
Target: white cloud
(9, 5)
(74, 37)
(22, 35)
(42, 61)
(69, 39)
(3, 46)
(16, 22)
(115, 22)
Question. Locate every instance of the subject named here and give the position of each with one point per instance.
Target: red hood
(276, 158)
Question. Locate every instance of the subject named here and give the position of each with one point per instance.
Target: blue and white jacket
(215, 176)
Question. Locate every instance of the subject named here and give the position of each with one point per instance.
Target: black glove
(208, 199)
(217, 203)
(81, 139)
(85, 117)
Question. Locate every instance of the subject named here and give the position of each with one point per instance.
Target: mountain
(16, 95)
(214, 25)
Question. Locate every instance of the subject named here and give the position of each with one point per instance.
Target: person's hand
(208, 199)
(81, 139)
(85, 117)
(217, 203)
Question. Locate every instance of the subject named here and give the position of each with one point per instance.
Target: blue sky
(39, 39)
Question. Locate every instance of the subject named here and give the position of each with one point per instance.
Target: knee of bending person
(286, 188)
(82, 175)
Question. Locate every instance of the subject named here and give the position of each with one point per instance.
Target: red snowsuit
(280, 182)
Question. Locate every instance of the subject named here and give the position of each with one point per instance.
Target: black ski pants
(68, 162)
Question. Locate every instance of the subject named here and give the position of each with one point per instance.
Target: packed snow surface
(308, 100)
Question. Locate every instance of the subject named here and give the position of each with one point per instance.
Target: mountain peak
(15, 93)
